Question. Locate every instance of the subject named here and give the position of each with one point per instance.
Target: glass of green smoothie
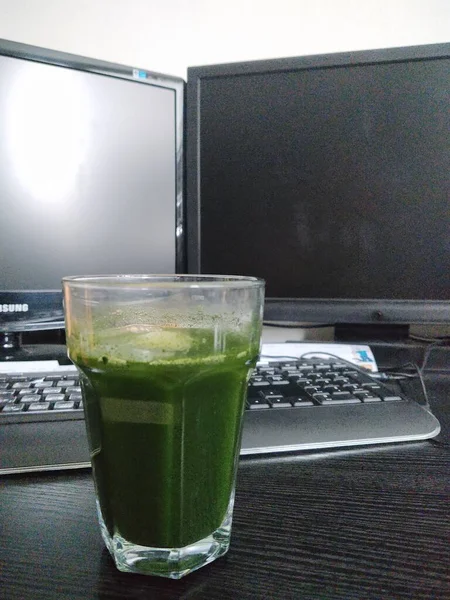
(164, 363)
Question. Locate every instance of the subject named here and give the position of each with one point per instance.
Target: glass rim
(147, 281)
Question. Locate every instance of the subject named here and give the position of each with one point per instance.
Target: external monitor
(328, 176)
(91, 177)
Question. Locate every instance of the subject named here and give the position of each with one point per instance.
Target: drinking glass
(164, 363)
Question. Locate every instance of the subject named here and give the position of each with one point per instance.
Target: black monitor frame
(333, 310)
(36, 310)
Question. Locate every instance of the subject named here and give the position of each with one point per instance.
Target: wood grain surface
(347, 524)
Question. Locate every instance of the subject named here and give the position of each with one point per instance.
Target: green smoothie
(164, 432)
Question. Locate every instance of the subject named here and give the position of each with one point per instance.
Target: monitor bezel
(50, 301)
(308, 310)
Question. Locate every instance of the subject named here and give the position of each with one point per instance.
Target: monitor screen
(329, 177)
(90, 176)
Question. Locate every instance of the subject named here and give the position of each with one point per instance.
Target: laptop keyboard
(277, 385)
(40, 397)
(312, 382)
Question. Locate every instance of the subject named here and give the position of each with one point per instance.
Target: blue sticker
(138, 74)
(363, 356)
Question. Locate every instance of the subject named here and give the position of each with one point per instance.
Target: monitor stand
(49, 346)
(367, 332)
(11, 346)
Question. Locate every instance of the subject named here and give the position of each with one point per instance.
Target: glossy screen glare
(47, 126)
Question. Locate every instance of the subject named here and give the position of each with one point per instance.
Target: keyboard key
(338, 366)
(331, 388)
(301, 402)
(369, 399)
(314, 375)
(335, 401)
(6, 395)
(363, 394)
(278, 380)
(54, 397)
(271, 394)
(21, 385)
(64, 405)
(319, 397)
(31, 398)
(27, 391)
(73, 389)
(65, 382)
(280, 403)
(371, 386)
(37, 406)
(342, 396)
(300, 380)
(392, 398)
(51, 390)
(4, 386)
(257, 403)
(9, 408)
(341, 380)
(259, 383)
(360, 378)
(40, 384)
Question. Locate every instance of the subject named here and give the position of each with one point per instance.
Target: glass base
(168, 562)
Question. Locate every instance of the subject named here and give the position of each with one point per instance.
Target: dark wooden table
(351, 524)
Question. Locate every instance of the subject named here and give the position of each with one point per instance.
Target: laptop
(280, 415)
